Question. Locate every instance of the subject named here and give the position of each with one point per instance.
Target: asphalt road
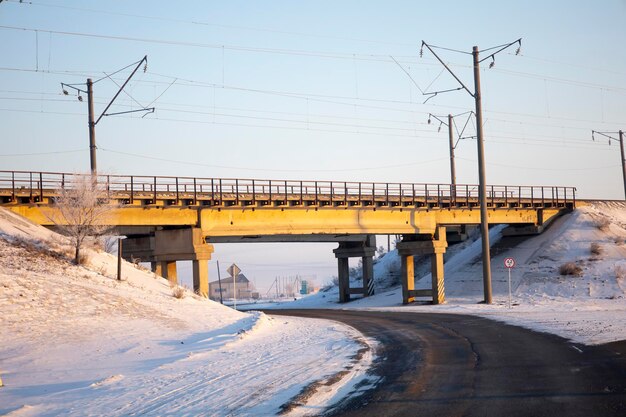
(454, 365)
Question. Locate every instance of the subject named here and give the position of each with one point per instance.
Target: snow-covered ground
(589, 309)
(75, 341)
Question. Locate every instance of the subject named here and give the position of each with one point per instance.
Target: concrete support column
(159, 268)
(368, 275)
(344, 279)
(436, 267)
(346, 250)
(168, 269)
(434, 245)
(407, 272)
(201, 277)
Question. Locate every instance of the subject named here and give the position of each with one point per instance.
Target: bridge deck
(21, 187)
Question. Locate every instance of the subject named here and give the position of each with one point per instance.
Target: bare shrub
(619, 240)
(570, 268)
(595, 248)
(178, 292)
(83, 259)
(602, 223)
(620, 272)
(79, 213)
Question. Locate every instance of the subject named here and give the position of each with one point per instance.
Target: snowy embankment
(588, 308)
(75, 341)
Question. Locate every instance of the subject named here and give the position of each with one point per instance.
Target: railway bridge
(169, 219)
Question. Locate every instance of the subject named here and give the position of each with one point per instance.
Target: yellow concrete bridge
(168, 219)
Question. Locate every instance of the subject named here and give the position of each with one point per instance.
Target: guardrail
(33, 187)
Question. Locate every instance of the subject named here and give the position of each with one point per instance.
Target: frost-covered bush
(570, 268)
(178, 292)
(595, 248)
(602, 223)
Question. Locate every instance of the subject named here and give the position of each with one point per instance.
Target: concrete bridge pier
(186, 244)
(364, 250)
(166, 247)
(413, 245)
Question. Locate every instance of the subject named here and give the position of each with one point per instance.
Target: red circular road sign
(509, 262)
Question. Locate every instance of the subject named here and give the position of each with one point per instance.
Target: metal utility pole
(482, 185)
(452, 165)
(219, 281)
(92, 120)
(621, 146)
(119, 259)
(92, 128)
(450, 124)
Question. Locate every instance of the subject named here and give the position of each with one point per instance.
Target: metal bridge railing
(35, 186)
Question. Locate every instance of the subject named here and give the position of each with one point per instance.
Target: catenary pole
(621, 145)
(451, 138)
(92, 128)
(482, 192)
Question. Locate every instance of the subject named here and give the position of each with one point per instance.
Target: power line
(320, 98)
(203, 23)
(537, 142)
(42, 153)
(491, 119)
(295, 52)
(544, 169)
(266, 169)
(291, 33)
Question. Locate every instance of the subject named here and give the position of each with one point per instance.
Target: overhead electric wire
(301, 122)
(317, 54)
(239, 168)
(544, 169)
(196, 22)
(43, 153)
(319, 98)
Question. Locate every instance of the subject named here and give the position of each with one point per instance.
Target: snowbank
(589, 308)
(75, 341)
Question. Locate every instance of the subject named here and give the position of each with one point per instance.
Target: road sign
(233, 270)
(509, 263)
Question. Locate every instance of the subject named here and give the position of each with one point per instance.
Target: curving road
(455, 365)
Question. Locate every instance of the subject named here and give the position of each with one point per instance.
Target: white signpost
(509, 263)
(234, 270)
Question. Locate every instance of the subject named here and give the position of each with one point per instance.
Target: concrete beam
(299, 221)
(181, 245)
(314, 238)
(138, 247)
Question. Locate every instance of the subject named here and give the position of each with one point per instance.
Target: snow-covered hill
(590, 308)
(75, 341)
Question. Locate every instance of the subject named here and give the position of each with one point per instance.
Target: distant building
(245, 289)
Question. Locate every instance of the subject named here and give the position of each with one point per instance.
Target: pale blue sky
(308, 90)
